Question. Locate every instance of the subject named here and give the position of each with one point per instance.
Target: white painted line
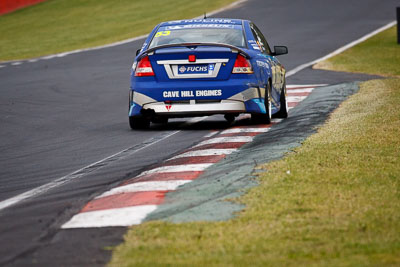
(90, 168)
(85, 50)
(212, 13)
(340, 50)
(308, 90)
(301, 86)
(2, 66)
(243, 116)
(178, 168)
(246, 130)
(211, 134)
(113, 217)
(232, 5)
(205, 152)
(78, 174)
(230, 139)
(16, 63)
(275, 120)
(193, 121)
(145, 186)
(295, 99)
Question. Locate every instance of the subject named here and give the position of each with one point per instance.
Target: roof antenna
(205, 15)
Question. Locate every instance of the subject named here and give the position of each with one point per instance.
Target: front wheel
(264, 118)
(138, 123)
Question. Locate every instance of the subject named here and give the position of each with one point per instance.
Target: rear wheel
(283, 112)
(138, 123)
(160, 120)
(264, 118)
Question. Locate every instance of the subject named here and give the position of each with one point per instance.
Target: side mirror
(138, 51)
(280, 50)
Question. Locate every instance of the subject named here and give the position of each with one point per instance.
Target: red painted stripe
(217, 146)
(126, 200)
(253, 126)
(239, 134)
(7, 6)
(157, 197)
(194, 160)
(164, 177)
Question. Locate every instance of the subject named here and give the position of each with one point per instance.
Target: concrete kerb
(205, 199)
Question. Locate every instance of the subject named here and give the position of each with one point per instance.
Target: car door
(268, 59)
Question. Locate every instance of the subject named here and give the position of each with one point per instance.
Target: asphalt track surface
(60, 115)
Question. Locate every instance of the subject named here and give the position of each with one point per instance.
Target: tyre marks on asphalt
(133, 200)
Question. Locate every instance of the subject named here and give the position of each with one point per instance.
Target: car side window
(261, 41)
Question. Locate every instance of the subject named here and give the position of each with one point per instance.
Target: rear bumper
(192, 109)
(226, 99)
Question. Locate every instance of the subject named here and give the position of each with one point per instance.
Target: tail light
(242, 65)
(144, 68)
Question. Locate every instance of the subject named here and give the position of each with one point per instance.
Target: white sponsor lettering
(209, 93)
(177, 27)
(187, 94)
(197, 68)
(262, 64)
(171, 94)
(201, 20)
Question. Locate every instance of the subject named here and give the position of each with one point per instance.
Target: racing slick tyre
(283, 112)
(160, 120)
(264, 118)
(138, 123)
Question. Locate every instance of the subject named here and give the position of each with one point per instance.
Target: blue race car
(204, 67)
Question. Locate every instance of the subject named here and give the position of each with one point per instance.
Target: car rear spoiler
(234, 48)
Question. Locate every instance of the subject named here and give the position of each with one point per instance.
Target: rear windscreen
(199, 33)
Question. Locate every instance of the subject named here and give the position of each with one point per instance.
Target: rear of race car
(193, 69)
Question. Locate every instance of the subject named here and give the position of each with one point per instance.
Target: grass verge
(338, 206)
(380, 55)
(63, 25)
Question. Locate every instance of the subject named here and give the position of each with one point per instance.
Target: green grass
(63, 25)
(338, 206)
(380, 55)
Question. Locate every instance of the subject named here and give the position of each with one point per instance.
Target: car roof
(202, 21)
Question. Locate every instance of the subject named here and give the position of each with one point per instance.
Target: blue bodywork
(162, 88)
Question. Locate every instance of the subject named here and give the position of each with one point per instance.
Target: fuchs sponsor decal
(186, 69)
(182, 69)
